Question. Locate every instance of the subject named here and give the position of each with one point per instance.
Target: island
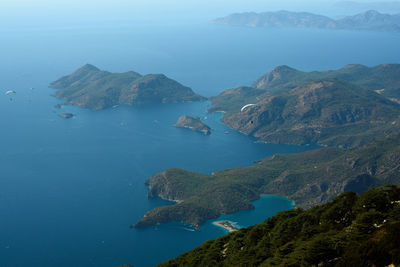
(93, 88)
(194, 124)
(66, 115)
(369, 20)
(227, 225)
(350, 230)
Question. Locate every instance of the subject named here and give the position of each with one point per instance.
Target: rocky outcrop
(66, 115)
(194, 124)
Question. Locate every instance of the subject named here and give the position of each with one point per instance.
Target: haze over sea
(69, 189)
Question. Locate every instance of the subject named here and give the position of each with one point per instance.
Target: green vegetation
(308, 178)
(283, 79)
(361, 127)
(92, 88)
(325, 111)
(335, 108)
(350, 230)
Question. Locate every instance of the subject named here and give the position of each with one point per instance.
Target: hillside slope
(308, 178)
(92, 88)
(278, 118)
(384, 79)
(327, 111)
(350, 230)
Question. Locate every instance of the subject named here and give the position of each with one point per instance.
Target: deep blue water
(69, 189)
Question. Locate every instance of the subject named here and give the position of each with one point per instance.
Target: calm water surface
(69, 189)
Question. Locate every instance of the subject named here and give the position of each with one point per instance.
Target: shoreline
(227, 225)
(278, 196)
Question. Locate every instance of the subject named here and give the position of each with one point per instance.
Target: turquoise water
(265, 207)
(69, 189)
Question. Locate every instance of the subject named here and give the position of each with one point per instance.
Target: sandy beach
(227, 225)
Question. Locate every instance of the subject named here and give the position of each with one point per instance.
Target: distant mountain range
(90, 87)
(369, 20)
(382, 6)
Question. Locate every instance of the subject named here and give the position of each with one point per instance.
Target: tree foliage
(350, 230)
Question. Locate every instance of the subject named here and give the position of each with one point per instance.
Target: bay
(69, 189)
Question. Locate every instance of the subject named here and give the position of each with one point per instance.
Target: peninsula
(370, 20)
(93, 88)
(194, 124)
(346, 107)
(308, 178)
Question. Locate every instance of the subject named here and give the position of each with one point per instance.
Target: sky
(147, 7)
(13, 12)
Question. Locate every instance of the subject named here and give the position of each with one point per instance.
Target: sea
(70, 188)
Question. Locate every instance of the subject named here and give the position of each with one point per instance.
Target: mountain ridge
(309, 112)
(93, 88)
(271, 92)
(368, 20)
(309, 178)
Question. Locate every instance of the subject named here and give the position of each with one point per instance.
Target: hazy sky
(16, 11)
(163, 5)
(157, 6)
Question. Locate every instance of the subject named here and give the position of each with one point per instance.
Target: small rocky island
(194, 124)
(66, 115)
